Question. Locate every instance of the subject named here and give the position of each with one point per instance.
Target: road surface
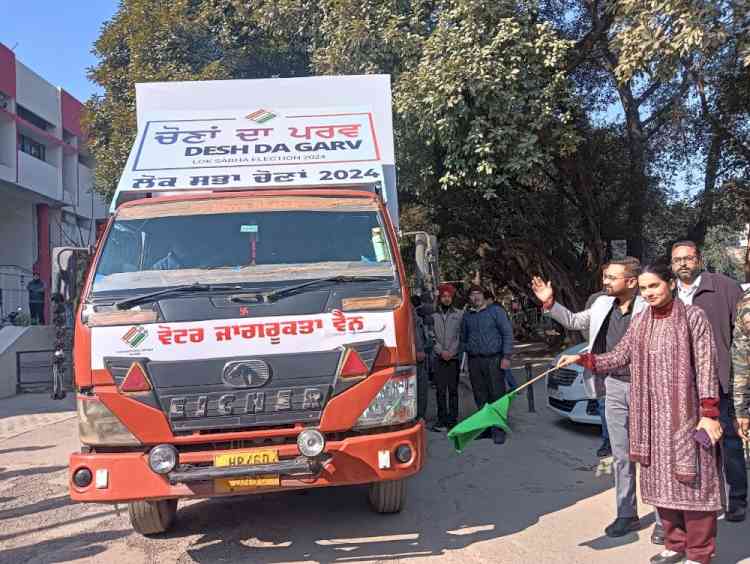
(542, 497)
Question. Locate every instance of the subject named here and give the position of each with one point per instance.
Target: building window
(33, 119)
(33, 148)
(86, 160)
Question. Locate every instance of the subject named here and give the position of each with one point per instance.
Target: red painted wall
(7, 71)
(71, 110)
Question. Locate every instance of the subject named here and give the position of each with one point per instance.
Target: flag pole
(534, 379)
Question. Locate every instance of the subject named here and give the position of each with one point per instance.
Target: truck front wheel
(388, 496)
(152, 517)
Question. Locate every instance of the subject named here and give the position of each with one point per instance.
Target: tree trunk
(638, 180)
(637, 147)
(698, 232)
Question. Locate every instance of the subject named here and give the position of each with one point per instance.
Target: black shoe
(438, 428)
(657, 536)
(667, 557)
(735, 515)
(498, 436)
(622, 526)
(604, 450)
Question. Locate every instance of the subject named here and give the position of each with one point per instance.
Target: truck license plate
(246, 458)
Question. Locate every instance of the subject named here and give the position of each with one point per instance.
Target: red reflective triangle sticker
(353, 366)
(135, 380)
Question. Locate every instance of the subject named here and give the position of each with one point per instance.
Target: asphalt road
(542, 497)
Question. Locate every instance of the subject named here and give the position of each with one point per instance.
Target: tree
(151, 40)
(497, 111)
(709, 42)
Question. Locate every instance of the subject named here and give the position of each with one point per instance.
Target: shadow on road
(24, 449)
(64, 549)
(39, 506)
(6, 475)
(732, 543)
(283, 528)
(36, 403)
(457, 501)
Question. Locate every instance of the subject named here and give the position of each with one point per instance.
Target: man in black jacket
(36, 299)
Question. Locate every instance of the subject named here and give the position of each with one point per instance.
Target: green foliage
(661, 35)
(721, 251)
(501, 148)
(490, 89)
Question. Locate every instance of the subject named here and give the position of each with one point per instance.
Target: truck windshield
(253, 247)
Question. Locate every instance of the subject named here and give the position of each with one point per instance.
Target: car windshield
(242, 247)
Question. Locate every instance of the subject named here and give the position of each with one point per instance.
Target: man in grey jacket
(447, 326)
(607, 321)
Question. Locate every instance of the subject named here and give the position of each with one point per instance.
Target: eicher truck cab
(245, 324)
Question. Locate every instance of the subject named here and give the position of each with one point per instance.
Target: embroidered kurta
(656, 372)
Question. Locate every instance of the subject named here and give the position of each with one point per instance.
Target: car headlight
(163, 458)
(97, 425)
(395, 403)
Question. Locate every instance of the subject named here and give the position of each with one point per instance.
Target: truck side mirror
(68, 263)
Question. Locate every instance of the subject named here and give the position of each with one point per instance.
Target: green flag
(491, 415)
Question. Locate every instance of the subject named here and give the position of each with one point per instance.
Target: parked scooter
(11, 318)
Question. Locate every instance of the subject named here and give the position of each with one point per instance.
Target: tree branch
(706, 110)
(599, 27)
(647, 93)
(659, 117)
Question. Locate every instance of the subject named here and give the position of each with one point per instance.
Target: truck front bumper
(361, 459)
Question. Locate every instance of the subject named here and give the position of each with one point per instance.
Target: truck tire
(152, 517)
(388, 497)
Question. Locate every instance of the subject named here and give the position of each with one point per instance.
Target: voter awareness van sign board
(254, 148)
(262, 133)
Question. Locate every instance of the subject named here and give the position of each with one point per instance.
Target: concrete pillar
(44, 256)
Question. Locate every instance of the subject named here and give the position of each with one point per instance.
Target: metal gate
(34, 371)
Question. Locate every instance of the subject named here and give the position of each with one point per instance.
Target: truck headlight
(163, 458)
(395, 403)
(97, 425)
(311, 442)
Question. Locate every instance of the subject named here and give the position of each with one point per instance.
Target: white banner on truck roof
(232, 149)
(266, 133)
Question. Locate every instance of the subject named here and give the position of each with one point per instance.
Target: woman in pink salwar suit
(673, 408)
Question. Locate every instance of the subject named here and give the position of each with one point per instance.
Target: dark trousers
(446, 388)
(423, 387)
(734, 457)
(487, 379)
(692, 533)
(36, 309)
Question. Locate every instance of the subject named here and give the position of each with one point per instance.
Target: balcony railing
(13, 281)
(39, 176)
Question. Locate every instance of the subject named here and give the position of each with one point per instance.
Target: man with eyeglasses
(717, 295)
(606, 321)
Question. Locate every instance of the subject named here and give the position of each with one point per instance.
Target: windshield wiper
(185, 288)
(281, 292)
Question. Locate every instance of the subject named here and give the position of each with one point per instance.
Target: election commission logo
(135, 336)
(261, 116)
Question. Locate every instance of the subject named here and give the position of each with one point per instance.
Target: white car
(566, 395)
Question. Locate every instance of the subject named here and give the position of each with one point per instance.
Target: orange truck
(245, 326)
